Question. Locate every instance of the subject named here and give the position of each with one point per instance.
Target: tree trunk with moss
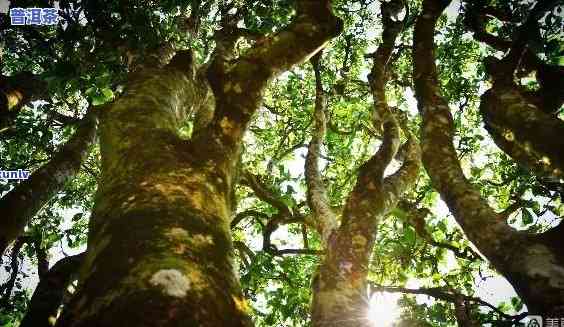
(159, 250)
(159, 244)
(523, 123)
(340, 295)
(532, 263)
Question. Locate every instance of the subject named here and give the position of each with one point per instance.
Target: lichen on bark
(159, 236)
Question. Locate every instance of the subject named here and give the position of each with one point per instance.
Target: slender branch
(298, 251)
(244, 252)
(416, 218)
(304, 236)
(8, 286)
(397, 183)
(264, 193)
(257, 215)
(445, 295)
(324, 218)
(27, 198)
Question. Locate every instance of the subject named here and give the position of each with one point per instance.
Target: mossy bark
(533, 138)
(533, 264)
(159, 248)
(340, 295)
(159, 251)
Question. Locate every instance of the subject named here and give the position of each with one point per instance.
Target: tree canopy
(282, 163)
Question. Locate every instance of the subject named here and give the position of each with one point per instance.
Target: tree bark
(173, 266)
(533, 138)
(159, 247)
(521, 122)
(462, 312)
(340, 295)
(533, 264)
(23, 202)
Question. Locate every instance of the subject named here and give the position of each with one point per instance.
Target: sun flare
(383, 309)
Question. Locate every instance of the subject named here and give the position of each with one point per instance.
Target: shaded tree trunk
(340, 295)
(159, 250)
(49, 293)
(523, 123)
(462, 312)
(533, 138)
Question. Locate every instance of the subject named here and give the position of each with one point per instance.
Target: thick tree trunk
(159, 247)
(533, 264)
(23, 202)
(340, 295)
(159, 250)
(536, 271)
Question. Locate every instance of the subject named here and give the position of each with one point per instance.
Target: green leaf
(107, 93)
(98, 100)
(526, 217)
(409, 235)
(397, 212)
(77, 216)
(91, 91)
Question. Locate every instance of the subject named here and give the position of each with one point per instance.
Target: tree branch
(298, 251)
(249, 213)
(324, 219)
(416, 218)
(478, 220)
(16, 92)
(21, 204)
(238, 84)
(8, 286)
(244, 252)
(445, 295)
(263, 192)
